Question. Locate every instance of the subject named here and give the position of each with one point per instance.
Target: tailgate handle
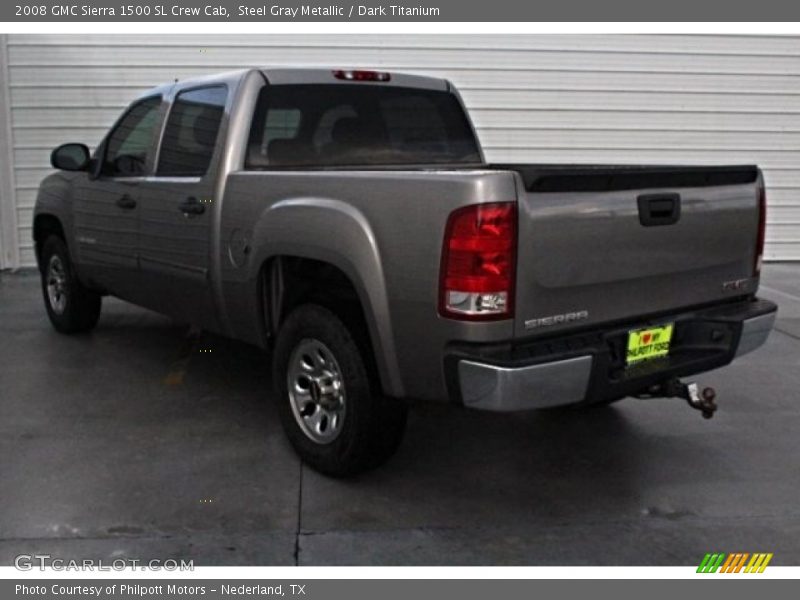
(659, 209)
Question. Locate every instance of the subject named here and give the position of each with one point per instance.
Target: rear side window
(351, 125)
(191, 133)
(131, 141)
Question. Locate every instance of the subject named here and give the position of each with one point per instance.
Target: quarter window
(191, 133)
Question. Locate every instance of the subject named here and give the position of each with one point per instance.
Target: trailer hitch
(675, 388)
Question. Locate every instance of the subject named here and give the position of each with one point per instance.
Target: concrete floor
(133, 442)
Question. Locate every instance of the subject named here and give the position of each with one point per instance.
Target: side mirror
(70, 157)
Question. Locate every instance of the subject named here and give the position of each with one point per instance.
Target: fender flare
(337, 233)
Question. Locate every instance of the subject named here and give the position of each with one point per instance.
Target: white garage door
(634, 99)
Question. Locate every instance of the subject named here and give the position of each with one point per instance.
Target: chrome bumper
(490, 387)
(560, 382)
(755, 332)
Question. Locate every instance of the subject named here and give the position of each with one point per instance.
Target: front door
(105, 208)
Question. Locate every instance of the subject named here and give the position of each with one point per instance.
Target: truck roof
(282, 76)
(315, 75)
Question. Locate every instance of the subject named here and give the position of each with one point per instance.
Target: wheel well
(43, 227)
(289, 281)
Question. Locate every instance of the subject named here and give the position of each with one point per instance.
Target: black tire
(81, 307)
(371, 426)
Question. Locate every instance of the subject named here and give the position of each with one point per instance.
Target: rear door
(610, 245)
(176, 207)
(105, 208)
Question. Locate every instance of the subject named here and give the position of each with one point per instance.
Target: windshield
(358, 125)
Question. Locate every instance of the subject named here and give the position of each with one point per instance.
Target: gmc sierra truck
(347, 221)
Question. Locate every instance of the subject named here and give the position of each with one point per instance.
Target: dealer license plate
(647, 344)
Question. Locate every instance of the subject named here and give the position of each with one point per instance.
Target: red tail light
(762, 229)
(478, 262)
(362, 75)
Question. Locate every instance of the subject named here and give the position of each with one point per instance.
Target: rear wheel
(71, 307)
(326, 393)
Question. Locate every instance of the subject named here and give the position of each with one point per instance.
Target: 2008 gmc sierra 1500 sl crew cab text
(347, 221)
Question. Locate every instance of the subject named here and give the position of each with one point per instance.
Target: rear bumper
(755, 332)
(590, 366)
(498, 388)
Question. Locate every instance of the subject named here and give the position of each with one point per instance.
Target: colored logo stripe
(758, 563)
(710, 563)
(735, 562)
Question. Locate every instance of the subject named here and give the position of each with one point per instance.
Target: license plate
(647, 344)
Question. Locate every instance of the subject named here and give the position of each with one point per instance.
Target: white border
(275, 27)
(303, 573)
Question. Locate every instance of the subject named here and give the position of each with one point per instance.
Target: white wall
(9, 244)
(635, 99)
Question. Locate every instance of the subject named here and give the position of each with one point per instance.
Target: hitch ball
(702, 401)
(708, 407)
(705, 402)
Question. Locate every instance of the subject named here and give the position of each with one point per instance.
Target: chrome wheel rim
(56, 279)
(316, 391)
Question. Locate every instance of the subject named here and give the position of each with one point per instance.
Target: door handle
(192, 206)
(127, 202)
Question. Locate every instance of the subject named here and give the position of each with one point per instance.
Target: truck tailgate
(615, 244)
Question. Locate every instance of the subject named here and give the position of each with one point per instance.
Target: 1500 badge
(570, 317)
(737, 285)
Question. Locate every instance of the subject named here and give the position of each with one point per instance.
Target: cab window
(191, 133)
(351, 125)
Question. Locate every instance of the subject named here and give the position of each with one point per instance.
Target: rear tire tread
(374, 424)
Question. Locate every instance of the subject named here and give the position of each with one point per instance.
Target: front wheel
(71, 307)
(325, 390)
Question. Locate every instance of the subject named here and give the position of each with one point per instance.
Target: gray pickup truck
(347, 221)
